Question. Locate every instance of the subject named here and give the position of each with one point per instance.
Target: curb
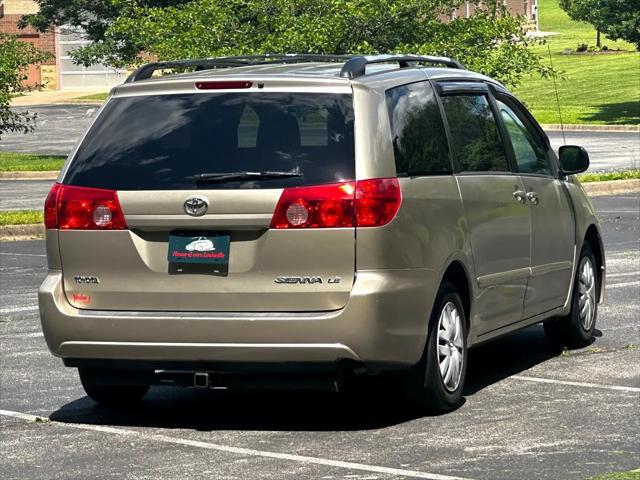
(22, 175)
(21, 232)
(58, 103)
(595, 189)
(590, 128)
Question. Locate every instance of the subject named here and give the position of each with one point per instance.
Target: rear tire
(114, 396)
(576, 329)
(437, 381)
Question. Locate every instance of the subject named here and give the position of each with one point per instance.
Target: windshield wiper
(231, 176)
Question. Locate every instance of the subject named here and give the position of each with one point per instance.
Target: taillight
(377, 201)
(80, 208)
(51, 207)
(322, 206)
(366, 203)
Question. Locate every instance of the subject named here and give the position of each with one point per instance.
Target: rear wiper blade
(230, 176)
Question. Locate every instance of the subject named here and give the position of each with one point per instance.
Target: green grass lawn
(20, 217)
(597, 89)
(20, 162)
(632, 475)
(608, 176)
(95, 96)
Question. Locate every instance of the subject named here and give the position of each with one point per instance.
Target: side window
(475, 138)
(530, 155)
(419, 139)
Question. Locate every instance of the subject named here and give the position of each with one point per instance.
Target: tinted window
(475, 139)
(419, 139)
(163, 141)
(530, 155)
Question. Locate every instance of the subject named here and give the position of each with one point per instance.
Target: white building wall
(78, 76)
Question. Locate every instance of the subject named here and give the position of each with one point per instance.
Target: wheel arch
(593, 238)
(457, 275)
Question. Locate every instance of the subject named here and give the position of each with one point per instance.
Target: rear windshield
(162, 142)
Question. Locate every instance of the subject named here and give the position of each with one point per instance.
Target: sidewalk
(56, 97)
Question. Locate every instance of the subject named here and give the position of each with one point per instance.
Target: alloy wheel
(450, 346)
(587, 293)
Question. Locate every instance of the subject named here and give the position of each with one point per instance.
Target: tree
(15, 58)
(491, 41)
(618, 19)
(92, 17)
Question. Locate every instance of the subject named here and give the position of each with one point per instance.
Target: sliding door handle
(520, 196)
(533, 197)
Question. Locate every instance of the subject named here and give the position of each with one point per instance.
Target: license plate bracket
(198, 252)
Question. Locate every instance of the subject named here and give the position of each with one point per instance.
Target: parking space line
(23, 254)
(624, 284)
(238, 450)
(617, 211)
(576, 384)
(25, 353)
(22, 335)
(30, 308)
(624, 274)
(19, 269)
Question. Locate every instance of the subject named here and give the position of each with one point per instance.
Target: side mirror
(573, 159)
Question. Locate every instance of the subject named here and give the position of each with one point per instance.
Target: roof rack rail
(146, 71)
(356, 66)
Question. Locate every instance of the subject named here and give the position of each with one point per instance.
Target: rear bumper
(385, 321)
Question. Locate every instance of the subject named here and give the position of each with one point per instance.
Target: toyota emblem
(196, 206)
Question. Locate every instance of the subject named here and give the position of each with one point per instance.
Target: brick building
(60, 72)
(10, 13)
(525, 8)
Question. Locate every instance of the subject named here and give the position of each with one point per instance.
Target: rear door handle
(533, 197)
(520, 195)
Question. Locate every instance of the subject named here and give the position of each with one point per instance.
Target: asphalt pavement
(23, 194)
(528, 414)
(607, 150)
(59, 127)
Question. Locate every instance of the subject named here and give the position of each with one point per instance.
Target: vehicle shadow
(510, 355)
(372, 404)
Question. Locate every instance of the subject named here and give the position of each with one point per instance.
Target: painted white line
(23, 335)
(21, 416)
(237, 450)
(19, 269)
(618, 211)
(22, 254)
(625, 274)
(576, 384)
(30, 308)
(24, 354)
(624, 284)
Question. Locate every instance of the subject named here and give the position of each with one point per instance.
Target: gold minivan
(295, 220)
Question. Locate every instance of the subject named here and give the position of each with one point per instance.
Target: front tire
(576, 329)
(436, 383)
(113, 396)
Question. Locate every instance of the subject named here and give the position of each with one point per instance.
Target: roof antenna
(555, 86)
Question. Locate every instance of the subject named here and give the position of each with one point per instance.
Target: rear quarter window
(161, 142)
(417, 130)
